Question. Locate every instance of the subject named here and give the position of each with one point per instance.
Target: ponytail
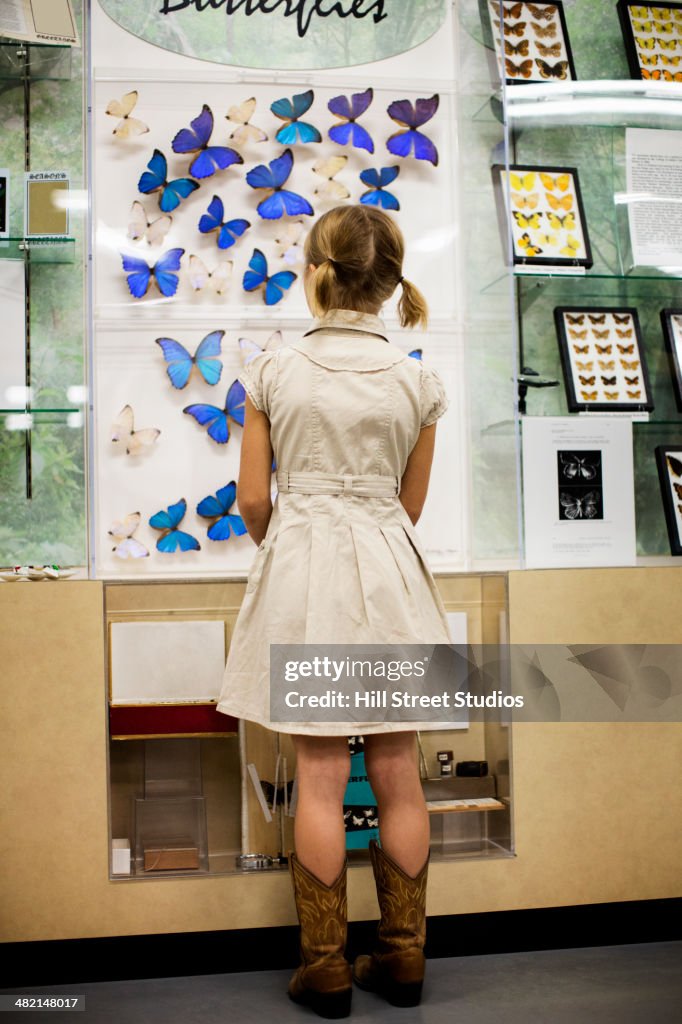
(412, 307)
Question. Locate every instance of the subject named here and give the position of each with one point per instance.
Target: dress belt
(365, 485)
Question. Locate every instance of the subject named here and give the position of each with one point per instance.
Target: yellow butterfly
(550, 183)
(667, 44)
(600, 334)
(522, 182)
(624, 334)
(634, 394)
(634, 365)
(677, 15)
(665, 27)
(611, 395)
(661, 13)
(649, 61)
(643, 26)
(530, 250)
(548, 239)
(581, 350)
(589, 396)
(670, 60)
(526, 202)
(583, 366)
(639, 12)
(567, 222)
(559, 202)
(604, 365)
(646, 44)
(672, 76)
(572, 247)
(523, 221)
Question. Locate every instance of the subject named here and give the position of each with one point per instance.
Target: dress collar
(349, 320)
(344, 339)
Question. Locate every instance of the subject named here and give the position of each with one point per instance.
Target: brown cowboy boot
(396, 967)
(323, 981)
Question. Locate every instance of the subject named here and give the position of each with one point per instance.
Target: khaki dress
(341, 562)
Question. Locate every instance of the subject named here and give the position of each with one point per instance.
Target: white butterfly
(139, 225)
(289, 242)
(218, 278)
(250, 350)
(327, 169)
(241, 115)
(134, 441)
(126, 545)
(128, 126)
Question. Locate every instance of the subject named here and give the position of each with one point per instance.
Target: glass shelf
(25, 419)
(601, 103)
(33, 60)
(41, 250)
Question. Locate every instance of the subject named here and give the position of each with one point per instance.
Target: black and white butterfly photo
(579, 466)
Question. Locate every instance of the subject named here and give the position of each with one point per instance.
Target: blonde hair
(358, 254)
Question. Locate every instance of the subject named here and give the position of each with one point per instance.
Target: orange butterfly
(597, 319)
(524, 69)
(603, 365)
(611, 395)
(559, 202)
(600, 334)
(581, 349)
(587, 380)
(626, 350)
(520, 50)
(575, 319)
(580, 335)
(514, 12)
(621, 319)
(604, 350)
(630, 366)
(632, 380)
(672, 76)
(634, 394)
(517, 30)
(584, 366)
(624, 334)
(654, 75)
(589, 396)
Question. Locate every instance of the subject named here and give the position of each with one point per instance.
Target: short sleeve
(257, 377)
(432, 398)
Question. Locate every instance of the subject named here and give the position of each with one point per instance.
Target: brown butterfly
(520, 50)
(632, 380)
(621, 319)
(624, 334)
(580, 335)
(576, 319)
(597, 319)
(517, 30)
(544, 33)
(600, 334)
(606, 365)
(634, 365)
(524, 69)
(584, 366)
(590, 396)
(635, 394)
(674, 465)
(626, 350)
(513, 12)
(608, 382)
(604, 350)
(581, 349)
(553, 50)
(545, 13)
(586, 380)
(611, 395)
(558, 70)
(678, 489)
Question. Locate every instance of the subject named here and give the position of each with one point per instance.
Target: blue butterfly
(348, 130)
(140, 273)
(281, 201)
(228, 231)
(196, 137)
(155, 179)
(411, 118)
(257, 275)
(376, 194)
(416, 353)
(218, 508)
(180, 362)
(172, 538)
(216, 419)
(295, 130)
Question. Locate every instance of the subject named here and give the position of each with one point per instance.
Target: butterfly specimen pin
(376, 194)
(140, 226)
(171, 537)
(127, 127)
(288, 242)
(201, 277)
(250, 350)
(327, 169)
(134, 441)
(215, 419)
(197, 139)
(214, 220)
(164, 273)
(155, 179)
(290, 111)
(241, 115)
(180, 362)
(348, 130)
(411, 141)
(274, 286)
(122, 532)
(278, 201)
(217, 508)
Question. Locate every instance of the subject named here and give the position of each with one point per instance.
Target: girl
(351, 420)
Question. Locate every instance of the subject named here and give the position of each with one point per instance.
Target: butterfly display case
(43, 394)
(576, 120)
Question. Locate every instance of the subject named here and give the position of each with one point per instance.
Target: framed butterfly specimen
(127, 546)
(196, 139)
(128, 127)
(671, 321)
(163, 273)
(651, 35)
(291, 111)
(123, 432)
(348, 111)
(216, 420)
(216, 507)
(377, 193)
(245, 132)
(278, 201)
(172, 538)
(669, 464)
(274, 286)
(214, 220)
(538, 34)
(619, 386)
(410, 141)
(180, 363)
(555, 233)
(155, 179)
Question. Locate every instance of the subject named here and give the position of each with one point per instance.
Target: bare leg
(322, 769)
(393, 772)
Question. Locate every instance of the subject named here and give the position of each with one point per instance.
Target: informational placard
(578, 491)
(46, 207)
(50, 22)
(13, 335)
(654, 189)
